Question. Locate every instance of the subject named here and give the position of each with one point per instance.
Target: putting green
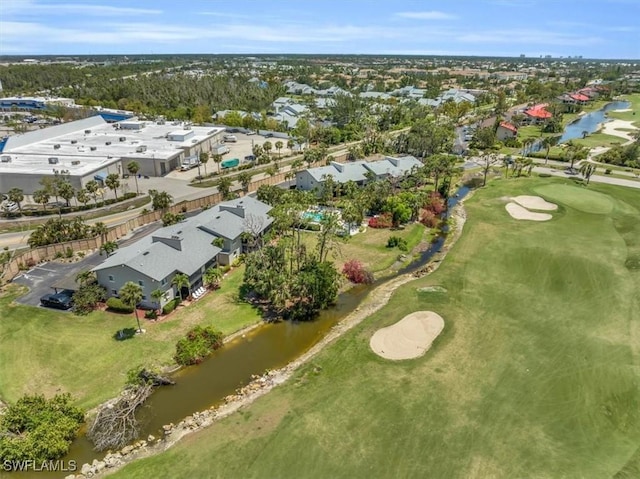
(579, 198)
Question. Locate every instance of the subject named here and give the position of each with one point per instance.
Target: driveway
(40, 279)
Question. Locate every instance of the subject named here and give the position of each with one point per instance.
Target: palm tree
(181, 280)
(160, 200)
(113, 181)
(85, 277)
(506, 162)
(245, 181)
(41, 197)
(267, 146)
(100, 229)
(204, 159)
(587, 169)
(224, 187)
(108, 247)
(158, 295)
(290, 145)
(133, 167)
(82, 196)
(279, 146)
(66, 191)
(547, 143)
(212, 277)
(17, 196)
(217, 159)
(92, 188)
(576, 152)
(131, 294)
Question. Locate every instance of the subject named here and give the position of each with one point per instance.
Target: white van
(230, 138)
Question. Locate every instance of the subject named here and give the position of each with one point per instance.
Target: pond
(591, 121)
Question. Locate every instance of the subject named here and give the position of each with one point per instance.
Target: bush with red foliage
(356, 273)
(429, 219)
(383, 221)
(436, 203)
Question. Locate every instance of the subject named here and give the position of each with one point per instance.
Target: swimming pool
(315, 216)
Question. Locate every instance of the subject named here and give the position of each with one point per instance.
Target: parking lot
(41, 278)
(240, 149)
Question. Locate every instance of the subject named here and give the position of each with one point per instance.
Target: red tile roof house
(537, 114)
(579, 98)
(590, 92)
(506, 131)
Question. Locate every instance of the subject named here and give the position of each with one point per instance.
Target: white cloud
(431, 15)
(33, 7)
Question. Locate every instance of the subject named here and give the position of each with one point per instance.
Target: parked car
(230, 138)
(250, 158)
(62, 300)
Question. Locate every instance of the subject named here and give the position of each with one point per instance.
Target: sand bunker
(535, 203)
(409, 338)
(518, 212)
(613, 127)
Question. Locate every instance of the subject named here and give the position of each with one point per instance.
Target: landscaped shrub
(382, 221)
(170, 306)
(429, 219)
(68, 253)
(436, 204)
(116, 305)
(151, 314)
(394, 241)
(355, 272)
(37, 429)
(197, 345)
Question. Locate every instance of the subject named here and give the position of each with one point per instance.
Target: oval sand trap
(519, 213)
(409, 338)
(534, 203)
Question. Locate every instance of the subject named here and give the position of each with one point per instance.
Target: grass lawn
(370, 247)
(634, 114)
(599, 139)
(47, 351)
(536, 373)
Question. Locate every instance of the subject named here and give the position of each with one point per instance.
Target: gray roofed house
(358, 172)
(186, 247)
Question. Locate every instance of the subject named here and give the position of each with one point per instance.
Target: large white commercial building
(92, 148)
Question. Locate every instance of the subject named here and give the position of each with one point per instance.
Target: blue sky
(591, 28)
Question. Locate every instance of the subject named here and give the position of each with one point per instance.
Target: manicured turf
(633, 114)
(577, 197)
(536, 373)
(46, 351)
(370, 247)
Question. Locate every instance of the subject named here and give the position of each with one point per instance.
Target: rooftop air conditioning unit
(107, 143)
(75, 162)
(123, 138)
(5, 159)
(53, 160)
(187, 127)
(141, 149)
(93, 148)
(56, 146)
(86, 132)
(73, 142)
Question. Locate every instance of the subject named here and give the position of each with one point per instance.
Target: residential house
(213, 237)
(360, 172)
(537, 114)
(506, 131)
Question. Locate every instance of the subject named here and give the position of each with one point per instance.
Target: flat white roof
(39, 164)
(95, 143)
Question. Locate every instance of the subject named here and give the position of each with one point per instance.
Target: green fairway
(536, 373)
(47, 351)
(577, 197)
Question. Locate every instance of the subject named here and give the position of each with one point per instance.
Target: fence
(30, 258)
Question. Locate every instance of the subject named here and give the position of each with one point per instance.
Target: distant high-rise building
(522, 55)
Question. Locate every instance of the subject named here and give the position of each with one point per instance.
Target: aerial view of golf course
(518, 357)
